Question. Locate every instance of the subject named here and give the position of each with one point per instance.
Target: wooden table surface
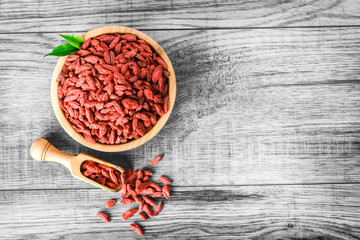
(263, 142)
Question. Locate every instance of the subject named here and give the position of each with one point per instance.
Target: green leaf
(74, 40)
(63, 50)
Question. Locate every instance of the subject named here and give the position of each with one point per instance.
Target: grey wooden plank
(64, 16)
(225, 212)
(277, 106)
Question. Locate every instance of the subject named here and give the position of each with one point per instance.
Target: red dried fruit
(149, 94)
(105, 38)
(142, 216)
(124, 189)
(147, 173)
(140, 174)
(137, 229)
(122, 177)
(156, 74)
(111, 184)
(105, 167)
(159, 110)
(141, 205)
(133, 176)
(158, 209)
(147, 191)
(110, 203)
(137, 184)
(128, 214)
(84, 165)
(131, 53)
(147, 210)
(131, 190)
(149, 201)
(166, 191)
(92, 167)
(92, 59)
(72, 57)
(156, 160)
(87, 173)
(107, 57)
(127, 201)
(155, 186)
(136, 198)
(114, 42)
(103, 217)
(161, 62)
(86, 44)
(128, 193)
(166, 104)
(103, 181)
(113, 178)
(129, 103)
(128, 173)
(164, 180)
(129, 37)
(156, 194)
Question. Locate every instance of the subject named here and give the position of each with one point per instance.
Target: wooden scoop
(42, 150)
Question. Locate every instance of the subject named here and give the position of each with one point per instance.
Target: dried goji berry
(128, 214)
(113, 177)
(127, 201)
(156, 194)
(156, 74)
(147, 173)
(111, 184)
(164, 180)
(141, 205)
(140, 174)
(136, 198)
(147, 191)
(142, 216)
(158, 209)
(147, 210)
(166, 191)
(110, 203)
(156, 160)
(133, 176)
(155, 186)
(149, 201)
(103, 217)
(137, 229)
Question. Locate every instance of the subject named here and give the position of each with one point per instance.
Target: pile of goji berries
(114, 88)
(101, 173)
(137, 188)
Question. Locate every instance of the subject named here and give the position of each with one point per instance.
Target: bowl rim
(133, 143)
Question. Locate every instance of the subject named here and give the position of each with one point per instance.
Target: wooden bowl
(133, 143)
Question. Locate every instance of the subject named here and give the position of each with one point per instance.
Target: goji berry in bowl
(116, 92)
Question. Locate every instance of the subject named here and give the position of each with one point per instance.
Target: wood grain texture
(263, 142)
(254, 212)
(277, 106)
(64, 16)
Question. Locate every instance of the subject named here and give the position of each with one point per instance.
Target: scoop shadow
(64, 143)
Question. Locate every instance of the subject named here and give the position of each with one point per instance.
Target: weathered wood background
(263, 142)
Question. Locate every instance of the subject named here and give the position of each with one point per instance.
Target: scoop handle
(42, 150)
